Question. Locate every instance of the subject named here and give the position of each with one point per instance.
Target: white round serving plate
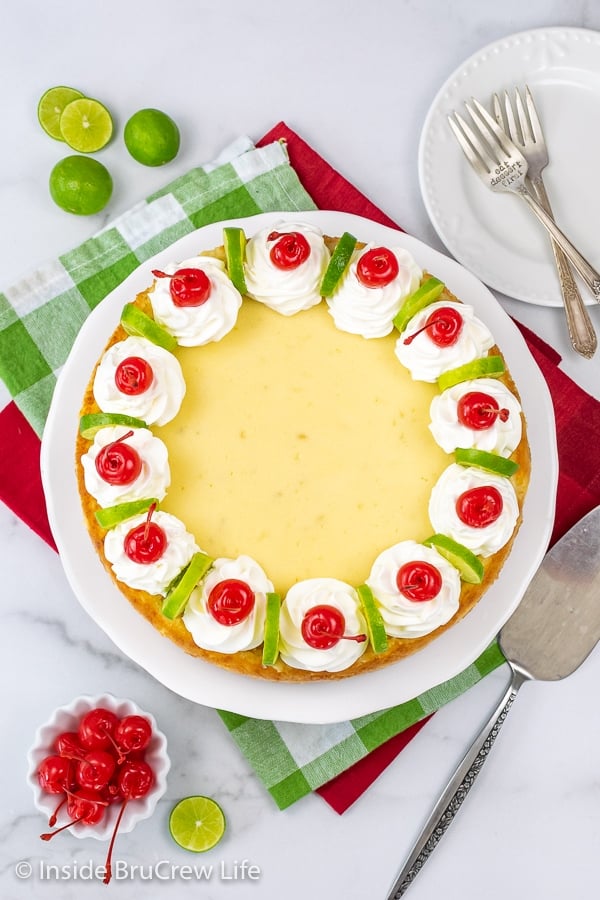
(329, 700)
(495, 235)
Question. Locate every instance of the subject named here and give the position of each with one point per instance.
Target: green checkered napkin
(39, 320)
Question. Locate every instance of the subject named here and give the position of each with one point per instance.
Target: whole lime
(152, 137)
(80, 185)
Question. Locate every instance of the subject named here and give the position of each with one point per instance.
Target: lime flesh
(137, 323)
(90, 423)
(375, 624)
(478, 368)
(86, 125)
(489, 462)
(340, 259)
(177, 598)
(271, 638)
(113, 515)
(197, 824)
(469, 566)
(51, 106)
(426, 294)
(234, 242)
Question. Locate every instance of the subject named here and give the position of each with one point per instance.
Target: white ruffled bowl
(67, 718)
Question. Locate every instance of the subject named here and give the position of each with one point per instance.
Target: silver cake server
(552, 631)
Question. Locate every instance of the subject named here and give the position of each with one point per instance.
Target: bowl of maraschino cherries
(97, 768)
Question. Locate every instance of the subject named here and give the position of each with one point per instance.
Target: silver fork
(502, 167)
(528, 136)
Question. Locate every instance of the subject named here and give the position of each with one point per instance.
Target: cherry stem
(159, 274)
(151, 512)
(107, 865)
(53, 817)
(359, 638)
(119, 440)
(431, 324)
(50, 834)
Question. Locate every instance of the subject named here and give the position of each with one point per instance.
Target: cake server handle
(456, 790)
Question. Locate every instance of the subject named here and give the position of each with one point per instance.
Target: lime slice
(86, 125)
(234, 242)
(271, 639)
(51, 106)
(138, 324)
(112, 515)
(489, 462)
(469, 566)
(177, 597)
(375, 624)
(427, 293)
(478, 368)
(80, 185)
(339, 262)
(151, 137)
(90, 423)
(197, 824)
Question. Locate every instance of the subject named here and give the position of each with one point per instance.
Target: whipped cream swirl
(160, 402)
(287, 291)
(194, 326)
(204, 628)
(301, 597)
(369, 311)
(154, 578)
(425, 360)
(452, 483)
(154, 477)
(403, 617)
(502, 436)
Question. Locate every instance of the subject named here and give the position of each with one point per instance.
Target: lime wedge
(469, 566)
(478, 368)
(112, 515)
(51, 106)
(271, 639)
(489, 462)
(375, 624)
(197, 824)
(427, 293)
(86, 125)
(234, 242)
(90, 423)
(177, 597)
(137, 323)
(339, 262)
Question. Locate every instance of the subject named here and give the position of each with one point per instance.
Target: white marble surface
(356, 80)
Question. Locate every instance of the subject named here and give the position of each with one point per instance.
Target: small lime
(197, 824)
(51, 106)
(80, 185)
(86, 125)
(152, 137)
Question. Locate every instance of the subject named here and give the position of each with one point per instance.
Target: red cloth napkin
(577, 421)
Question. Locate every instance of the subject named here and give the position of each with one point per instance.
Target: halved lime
(90, 423)
(138, 324)
(469, 566)
(80, 185)
(489, 462)
(375, 624)
(51, 106)
(271, 639)
(197, 823)
(151, 137)
(487, 365)
(234, 242)
(426, 294)
(86, 125)
(339, 262)
(177, 597)
(113, 515)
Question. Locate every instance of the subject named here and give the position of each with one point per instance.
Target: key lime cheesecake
(300, 456)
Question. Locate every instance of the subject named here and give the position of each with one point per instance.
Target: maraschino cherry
(83, 806)
(119, 463)
(188, 287)
(147, 542)
(134, 781)
(68, 745)
(230, 601)
(419, 581)
(133, 376)
(56, 775)
(377, 267)
(478, 411)
(323, 627)
(443, 327)
(290, 249)
(95, 769)
(480, 506)
(132, 734)
(96, 728)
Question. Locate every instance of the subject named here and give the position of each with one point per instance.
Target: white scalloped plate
(326, 701)
(494, 235)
